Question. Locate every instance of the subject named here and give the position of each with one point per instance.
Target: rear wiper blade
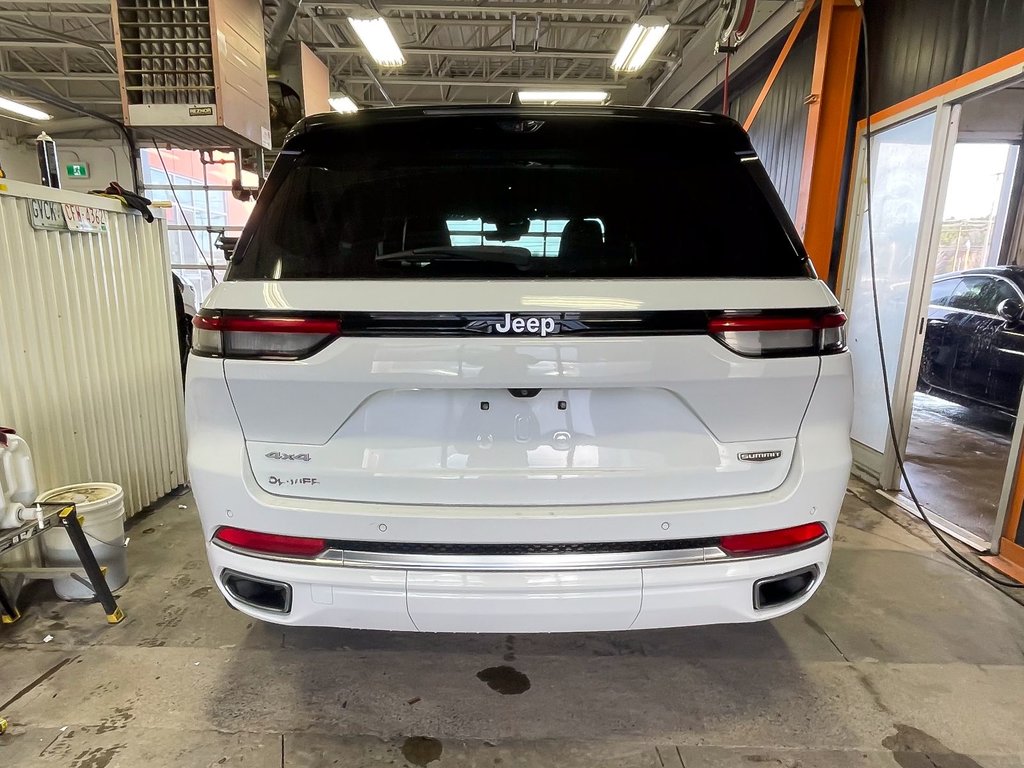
(500, 254)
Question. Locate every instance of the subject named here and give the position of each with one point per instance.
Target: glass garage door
(900, 157)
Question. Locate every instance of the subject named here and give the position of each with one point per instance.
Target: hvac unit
(301, 86)
(194, 72)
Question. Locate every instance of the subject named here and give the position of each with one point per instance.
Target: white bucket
(102, 506)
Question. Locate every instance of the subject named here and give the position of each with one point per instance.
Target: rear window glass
(499, 198)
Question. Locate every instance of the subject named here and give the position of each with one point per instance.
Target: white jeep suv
(508, 369)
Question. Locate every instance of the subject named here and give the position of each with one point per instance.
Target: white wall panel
(89, 368)
(107, 159)
(18, 160)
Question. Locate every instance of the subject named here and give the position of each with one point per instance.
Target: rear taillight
(773, 541)
(270, 543)
(766, 335)
(273, 338)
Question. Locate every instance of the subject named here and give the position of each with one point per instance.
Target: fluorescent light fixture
(641, 40)
(375, 34)
(343, 104)
(23, 110)
(563, 97)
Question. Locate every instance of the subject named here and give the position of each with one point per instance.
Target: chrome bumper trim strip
(572, 562)
(603, 561)
(568, 562)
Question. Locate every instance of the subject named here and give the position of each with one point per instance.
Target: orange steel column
(828, 117)
(1010, 559)
(794, 33)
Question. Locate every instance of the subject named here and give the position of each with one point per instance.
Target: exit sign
(78, 170)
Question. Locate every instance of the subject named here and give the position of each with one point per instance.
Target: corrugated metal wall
(918, 44)
(914, 45)
(89, 368)
(781, 125)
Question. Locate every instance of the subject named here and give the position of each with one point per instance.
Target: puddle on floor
(505, 680)
(420, 750)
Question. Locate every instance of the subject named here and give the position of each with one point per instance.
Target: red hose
(744, 23)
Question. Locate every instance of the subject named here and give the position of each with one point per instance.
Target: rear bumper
(227, 494)
(549, 601)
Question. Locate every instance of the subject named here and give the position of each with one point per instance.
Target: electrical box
(194, 72)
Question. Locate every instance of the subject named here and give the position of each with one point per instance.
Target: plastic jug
(17, 480)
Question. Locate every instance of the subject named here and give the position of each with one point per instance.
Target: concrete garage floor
(902, 659)
(956, 459)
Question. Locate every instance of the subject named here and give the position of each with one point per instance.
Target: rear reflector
(270, 543)
(272, 338)
(766, 335)
(771, 541)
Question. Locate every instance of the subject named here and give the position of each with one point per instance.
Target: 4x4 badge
(289, 456)
(759, 455)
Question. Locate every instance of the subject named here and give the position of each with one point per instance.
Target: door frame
(945, 100)
(947, 123)
(882, 466)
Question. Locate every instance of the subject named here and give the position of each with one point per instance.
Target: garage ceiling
(466, 52)
(457, 52)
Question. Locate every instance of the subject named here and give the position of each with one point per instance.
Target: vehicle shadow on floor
(603, 685)
(759, 640)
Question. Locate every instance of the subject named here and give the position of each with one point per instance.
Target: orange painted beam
(1009, 561)
(1000, 65)
(828, 120)
(1009, 550)
(794, 33)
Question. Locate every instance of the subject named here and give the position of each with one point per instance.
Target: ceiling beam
(564, 85)
(62, 76)
(35, 43)
(56, 14)
(490, 53)
(11, 4)
(98, 47)
(549, 24)
(376, 81)
(70, 106)
(459, 6)
(80, 100)
(70, 125)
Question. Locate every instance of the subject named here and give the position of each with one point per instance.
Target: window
(967, 295)
(977, 206)
(982, 294)
(543, 237)
(995, 293)
(570, 197)
(202, 207)
(942, 290)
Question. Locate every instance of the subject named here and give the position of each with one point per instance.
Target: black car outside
(974, 340)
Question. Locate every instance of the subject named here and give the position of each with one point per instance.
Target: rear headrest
(586, 230)
(580, 235)
(426, 232)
